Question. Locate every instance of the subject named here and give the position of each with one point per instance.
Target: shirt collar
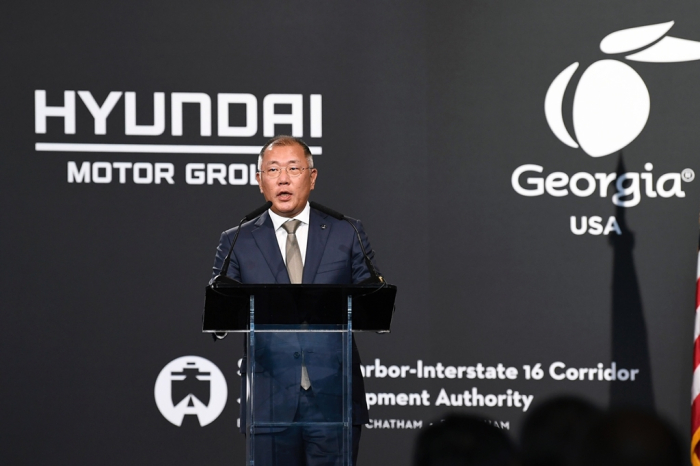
(278, 220)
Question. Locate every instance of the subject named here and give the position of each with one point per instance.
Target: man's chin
(284, 210)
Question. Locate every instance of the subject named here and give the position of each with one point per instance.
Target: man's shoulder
(250, 225)
(332, 220)
(264, 220)
(338, 226)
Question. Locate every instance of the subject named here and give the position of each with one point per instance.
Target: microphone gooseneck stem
(340, 216)
(250, 216)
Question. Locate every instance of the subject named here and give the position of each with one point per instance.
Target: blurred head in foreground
(631, 438)
(461, 440)
(552, 432)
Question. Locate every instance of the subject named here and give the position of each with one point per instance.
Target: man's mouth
(284, 196)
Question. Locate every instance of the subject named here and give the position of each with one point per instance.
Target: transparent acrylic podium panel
(283, 321)
(281, 417)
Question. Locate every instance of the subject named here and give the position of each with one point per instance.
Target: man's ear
(257, 178)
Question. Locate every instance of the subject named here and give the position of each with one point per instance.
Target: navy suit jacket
(333, 256)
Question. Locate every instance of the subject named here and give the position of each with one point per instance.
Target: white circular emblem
(611, 102)
(611, 107)
(191, 385)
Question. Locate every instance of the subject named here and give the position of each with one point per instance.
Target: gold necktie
(295, 269)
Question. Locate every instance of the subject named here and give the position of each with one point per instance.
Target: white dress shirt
(302, 232)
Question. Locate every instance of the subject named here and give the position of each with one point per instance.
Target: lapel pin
(323, 226)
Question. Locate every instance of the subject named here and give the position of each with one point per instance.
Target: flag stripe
(696, 379)
(696, 415)
(695, 389)
(694, 453)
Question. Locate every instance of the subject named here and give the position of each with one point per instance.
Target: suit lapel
(319, 230)
(264, 235)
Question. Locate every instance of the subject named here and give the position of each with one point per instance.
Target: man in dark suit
(292, 243)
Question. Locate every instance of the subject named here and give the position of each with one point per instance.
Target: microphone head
(258, 211)
(326, 210)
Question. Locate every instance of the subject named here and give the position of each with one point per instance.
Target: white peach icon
(611, 102)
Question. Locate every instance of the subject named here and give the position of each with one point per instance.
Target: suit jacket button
(296, 355)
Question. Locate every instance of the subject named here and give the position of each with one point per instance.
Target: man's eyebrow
(270, 162)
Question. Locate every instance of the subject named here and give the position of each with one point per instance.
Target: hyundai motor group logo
(611, 102)
(191, 385)
(118, 154)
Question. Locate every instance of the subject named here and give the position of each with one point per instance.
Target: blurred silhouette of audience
(563, 431)
(631, 438)
(553, 431)
(464, 440)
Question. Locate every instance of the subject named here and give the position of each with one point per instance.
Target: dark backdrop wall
(129, 129)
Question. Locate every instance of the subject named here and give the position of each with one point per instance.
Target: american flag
(695, 409)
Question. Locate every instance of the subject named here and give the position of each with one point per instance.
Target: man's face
(287, 194)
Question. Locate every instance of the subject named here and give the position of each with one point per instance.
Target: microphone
(224, 269)
(257, 212)
(339, 216)
(326, 210)
(222, 278)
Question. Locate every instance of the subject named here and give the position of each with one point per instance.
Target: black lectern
(299, 337)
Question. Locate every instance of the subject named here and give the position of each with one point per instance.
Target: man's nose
(284, 177)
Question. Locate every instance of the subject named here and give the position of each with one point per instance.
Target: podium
(291, 329)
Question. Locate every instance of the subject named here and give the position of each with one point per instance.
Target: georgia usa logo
(611, 103)
(191, 385)
(611, 106)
